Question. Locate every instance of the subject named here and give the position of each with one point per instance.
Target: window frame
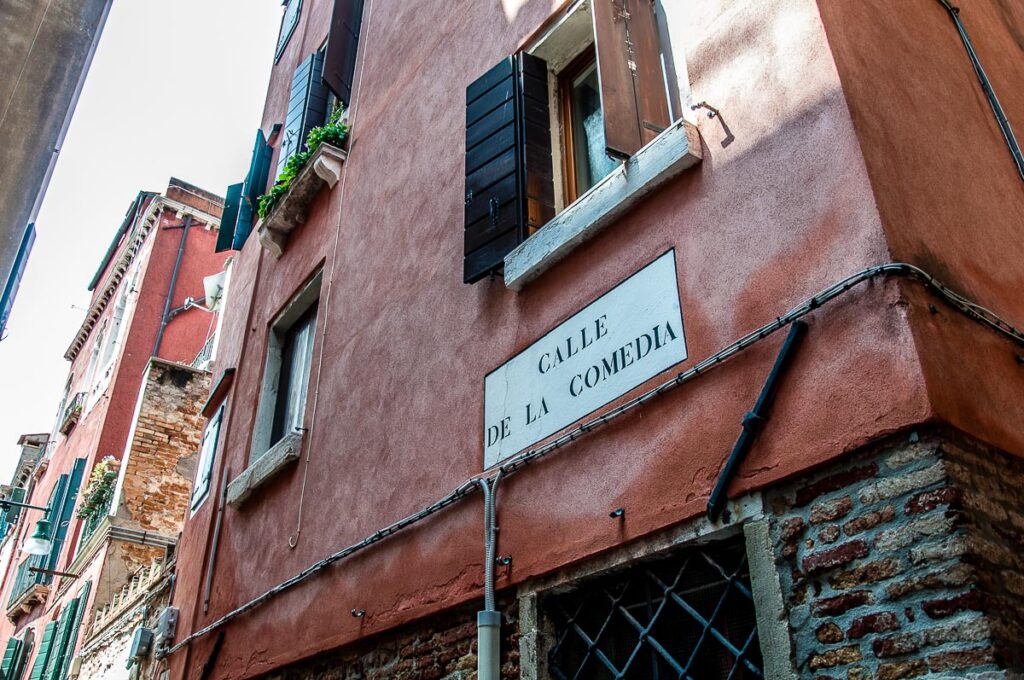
(564, 84)
(207, 458)
(305, 301)
(282, 39)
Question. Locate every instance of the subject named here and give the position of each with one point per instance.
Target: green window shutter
(39, 667)
(18, 496)
(307, 107)
(11, 655)
(83, 601)
(24, 652)
(60, 642)
(65, 511)
(255, 185)
(229, 218)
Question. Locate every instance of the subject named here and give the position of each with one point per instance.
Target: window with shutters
(307, 107)
(595, 89)
(207, 454)
(289, 20)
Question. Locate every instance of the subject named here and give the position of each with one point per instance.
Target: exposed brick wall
(163, 452)
(440, 648)
(905, 561)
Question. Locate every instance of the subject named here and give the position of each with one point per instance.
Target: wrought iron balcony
(72, 412)
(30, 586)
(202, 359)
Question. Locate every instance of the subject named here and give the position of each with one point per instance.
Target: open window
(593, 90)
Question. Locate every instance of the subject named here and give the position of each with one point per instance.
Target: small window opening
(687, 616)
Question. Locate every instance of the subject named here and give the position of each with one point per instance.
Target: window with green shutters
(11, 656)
(61, 639)
(62, 507)
(39, 667)
(83, 601)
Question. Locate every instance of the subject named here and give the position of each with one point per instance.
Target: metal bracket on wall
(754, 421)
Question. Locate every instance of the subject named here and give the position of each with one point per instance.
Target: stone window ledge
(669, 154)
(264, 468)
(322, 169)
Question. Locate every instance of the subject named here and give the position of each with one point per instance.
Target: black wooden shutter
(342, 45)
(307, 107)
(509, 188)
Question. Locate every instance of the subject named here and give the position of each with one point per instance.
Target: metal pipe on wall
(488, 621)
(174, 282)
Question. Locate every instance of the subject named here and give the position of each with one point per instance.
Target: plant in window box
(98, 493)
(284, 207)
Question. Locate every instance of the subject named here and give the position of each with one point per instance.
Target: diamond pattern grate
(690, 616)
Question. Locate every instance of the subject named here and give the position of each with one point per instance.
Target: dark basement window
(687, 616)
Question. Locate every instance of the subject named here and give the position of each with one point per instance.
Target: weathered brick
(929, 500)
(891, 487)
(830, 511)
(974, 630)
(833, 606)
(882, 622)
(869, 521)
(829, 633)
(939, 552)
(871, 572)
(828, 534)
(912, 532)
(956, 575)
(910, 454)
(941, 608)
(792, 528)
(835, 657)
(960, 660)
(903, 669)
(834, 482)
(835, 557)
(894, 645)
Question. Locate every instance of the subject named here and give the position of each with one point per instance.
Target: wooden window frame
(574, 69)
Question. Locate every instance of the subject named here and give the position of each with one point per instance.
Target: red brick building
(117, 471)
(762, 256)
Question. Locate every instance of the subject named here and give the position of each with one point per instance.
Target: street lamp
(39, 542)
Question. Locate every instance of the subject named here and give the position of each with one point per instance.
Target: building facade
(46, 53)
(115, 475)
(725, 296)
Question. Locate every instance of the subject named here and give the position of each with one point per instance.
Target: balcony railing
(25, 580)
(72, 412)
(205, 354)
(129, 594)
(94, 520)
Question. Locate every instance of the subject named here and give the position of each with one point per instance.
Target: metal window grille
(690, 616)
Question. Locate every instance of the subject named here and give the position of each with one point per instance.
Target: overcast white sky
(176, 88)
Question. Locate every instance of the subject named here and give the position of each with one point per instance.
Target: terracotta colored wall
(949, 195)
(781, 206)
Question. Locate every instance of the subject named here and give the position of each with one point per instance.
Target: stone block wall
(905, 561)
(164, 449)
(439, 648)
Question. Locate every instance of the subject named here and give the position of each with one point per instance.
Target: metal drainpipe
(488, 621)
(174, 281)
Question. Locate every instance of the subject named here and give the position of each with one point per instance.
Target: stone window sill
(322, 169)
(669, 154)
(264, 468)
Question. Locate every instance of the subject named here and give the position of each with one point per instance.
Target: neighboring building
(619, 326)
(118, 471)
(46, 53)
